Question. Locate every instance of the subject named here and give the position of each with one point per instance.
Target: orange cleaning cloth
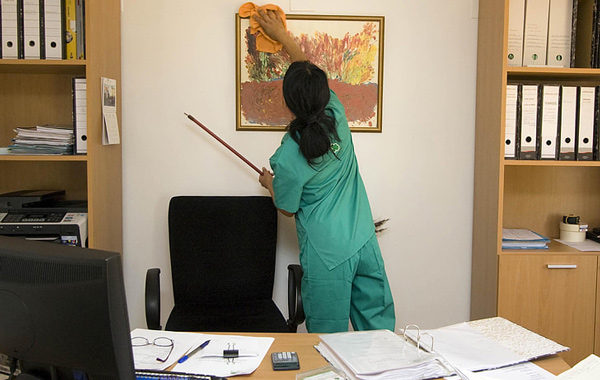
(263, 42)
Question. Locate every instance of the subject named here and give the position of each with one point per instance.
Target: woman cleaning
(316, 179)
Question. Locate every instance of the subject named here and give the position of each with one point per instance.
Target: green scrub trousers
(358, 288)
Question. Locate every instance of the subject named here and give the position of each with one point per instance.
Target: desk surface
(304, 344)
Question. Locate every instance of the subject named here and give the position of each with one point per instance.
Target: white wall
(179, 56)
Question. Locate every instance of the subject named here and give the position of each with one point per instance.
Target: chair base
(262, 316)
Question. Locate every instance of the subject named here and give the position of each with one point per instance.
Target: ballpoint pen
(185, 357)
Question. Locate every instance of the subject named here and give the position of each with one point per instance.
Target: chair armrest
(153, 299)
(295, 308)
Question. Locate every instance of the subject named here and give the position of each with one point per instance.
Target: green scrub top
(328, 197)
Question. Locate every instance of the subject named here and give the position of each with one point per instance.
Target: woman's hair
(306, 93)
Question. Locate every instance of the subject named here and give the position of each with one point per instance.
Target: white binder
(80, 115)
(9, 35)
(529, 114)
(53, 41)
(559, 33)
(568, 122)
(516, 21)
(535, 32)
(549, 122)
(510, 126)
(31, 29)
(585, 125)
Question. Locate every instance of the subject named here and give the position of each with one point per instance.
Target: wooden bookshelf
(37, 92)
(531, 194)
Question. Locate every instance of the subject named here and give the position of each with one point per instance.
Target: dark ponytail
(306, 93)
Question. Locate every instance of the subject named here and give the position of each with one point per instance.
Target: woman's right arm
(273, 27)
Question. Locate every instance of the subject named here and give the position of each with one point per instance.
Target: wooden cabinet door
(552, 295)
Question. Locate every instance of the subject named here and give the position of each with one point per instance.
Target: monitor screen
(63, 312)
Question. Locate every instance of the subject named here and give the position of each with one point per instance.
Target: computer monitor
(63, 312)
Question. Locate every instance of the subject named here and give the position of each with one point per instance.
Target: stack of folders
(548, 32)
(42, 140)
(543, 32)
(519, 238)
(379, 354)
(42, 29)
(552, 122)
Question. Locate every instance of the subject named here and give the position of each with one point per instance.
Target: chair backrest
(222, 248)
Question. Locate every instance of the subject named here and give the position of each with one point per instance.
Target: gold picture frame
(348, 48)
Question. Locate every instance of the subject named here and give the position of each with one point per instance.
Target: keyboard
(168, 375)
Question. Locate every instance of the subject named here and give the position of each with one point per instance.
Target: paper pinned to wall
(110, 124)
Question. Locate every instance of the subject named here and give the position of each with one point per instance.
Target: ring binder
(464, 375)
(425, 335)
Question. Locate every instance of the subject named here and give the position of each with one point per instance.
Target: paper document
(520, 234)
(584, 246)
(523, 371)
(110, 124)
(465, 347)
(210, 360)
(588, 368)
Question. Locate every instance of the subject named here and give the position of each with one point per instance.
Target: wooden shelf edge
(73, 158)
(551, 163)
(42, 62)
(42, 66)
(558, 71)
(554, 248)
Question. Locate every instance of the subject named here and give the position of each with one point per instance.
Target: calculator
(283, 361)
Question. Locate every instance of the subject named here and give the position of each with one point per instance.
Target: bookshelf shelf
(77, 158)
(553, 71)
(26, 66)
(39, 92)
(543, 163)
(554, 248)
(533, 194)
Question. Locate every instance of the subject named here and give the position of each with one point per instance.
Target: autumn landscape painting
(347, 48)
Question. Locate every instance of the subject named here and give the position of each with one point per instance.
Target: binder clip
(231, 353)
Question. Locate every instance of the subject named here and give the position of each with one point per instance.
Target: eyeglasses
(140, 341)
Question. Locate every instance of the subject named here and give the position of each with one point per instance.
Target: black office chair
(223, 268)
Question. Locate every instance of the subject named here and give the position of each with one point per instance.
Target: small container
(573, 233)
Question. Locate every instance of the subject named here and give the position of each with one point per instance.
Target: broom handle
(224, 143)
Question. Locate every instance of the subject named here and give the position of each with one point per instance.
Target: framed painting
(348, 48)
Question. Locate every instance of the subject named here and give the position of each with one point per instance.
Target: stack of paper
(523, 239)
(209, 361)
(43, 140)
(380, 355)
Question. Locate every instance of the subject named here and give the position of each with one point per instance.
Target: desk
(303, 344)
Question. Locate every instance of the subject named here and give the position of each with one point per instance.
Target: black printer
(44, 215)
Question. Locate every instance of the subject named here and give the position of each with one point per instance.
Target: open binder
(461, 349)
(380, 354)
